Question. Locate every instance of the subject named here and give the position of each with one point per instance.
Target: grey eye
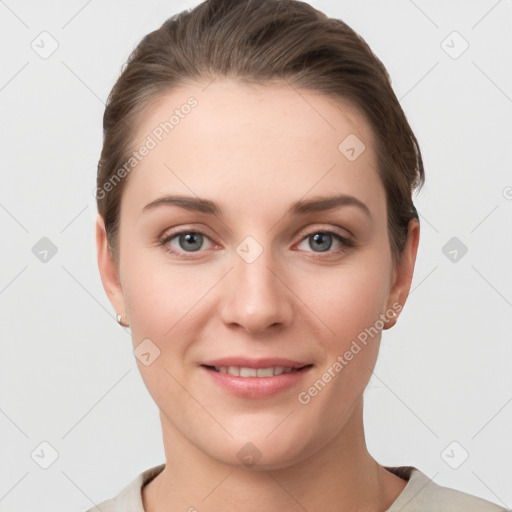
(190, 241)
(322, 241)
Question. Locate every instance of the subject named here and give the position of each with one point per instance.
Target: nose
(257, 297)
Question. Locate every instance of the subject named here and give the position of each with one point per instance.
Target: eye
(322, 242)
(182, 242)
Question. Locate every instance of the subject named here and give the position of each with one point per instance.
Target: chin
(257, 450)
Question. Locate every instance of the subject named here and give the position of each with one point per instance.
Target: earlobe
(403, 273)
(108, 269)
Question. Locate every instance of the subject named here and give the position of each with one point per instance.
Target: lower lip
(257, 387)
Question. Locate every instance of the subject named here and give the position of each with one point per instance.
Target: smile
(256, 383)
(242, 371)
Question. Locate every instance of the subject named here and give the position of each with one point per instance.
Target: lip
(256, 387)
(254, 363)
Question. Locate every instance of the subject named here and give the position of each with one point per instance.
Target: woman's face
(263, 275)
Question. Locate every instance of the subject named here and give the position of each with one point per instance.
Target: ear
(403, 272)
(108, 269)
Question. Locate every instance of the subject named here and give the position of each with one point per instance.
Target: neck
(340, 476)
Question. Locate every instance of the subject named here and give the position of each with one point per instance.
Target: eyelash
(346, 243)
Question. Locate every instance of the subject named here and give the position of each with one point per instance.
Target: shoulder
(105, 506)
(421, 494)
(130, 497)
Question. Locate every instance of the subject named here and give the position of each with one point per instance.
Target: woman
(239, 137)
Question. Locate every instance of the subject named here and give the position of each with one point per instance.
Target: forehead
(258, 142)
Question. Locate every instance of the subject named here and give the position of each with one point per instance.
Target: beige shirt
(419, 495)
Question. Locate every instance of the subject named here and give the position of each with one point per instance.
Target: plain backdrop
(441, 396)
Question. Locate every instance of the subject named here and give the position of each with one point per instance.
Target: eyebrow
(301, 207)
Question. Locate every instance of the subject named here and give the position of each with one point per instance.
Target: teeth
(248, 372)
(234, 370)
(265, 372)
(253, 372)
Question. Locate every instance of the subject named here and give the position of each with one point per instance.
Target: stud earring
(119, 320)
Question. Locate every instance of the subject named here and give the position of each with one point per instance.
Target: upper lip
(246, 362)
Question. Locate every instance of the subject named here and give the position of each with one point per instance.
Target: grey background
(68, 375)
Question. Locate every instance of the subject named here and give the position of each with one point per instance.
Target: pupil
(195, 239)
(324, 241)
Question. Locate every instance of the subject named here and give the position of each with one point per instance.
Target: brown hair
(260, 41)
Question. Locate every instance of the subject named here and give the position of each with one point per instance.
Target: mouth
(256, 379)
(245, 371)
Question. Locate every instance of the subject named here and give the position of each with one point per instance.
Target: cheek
(347, 300)
(349, 304)
(161, 301)
(159, 295)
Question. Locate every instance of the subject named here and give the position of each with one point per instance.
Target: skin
(254, 150)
